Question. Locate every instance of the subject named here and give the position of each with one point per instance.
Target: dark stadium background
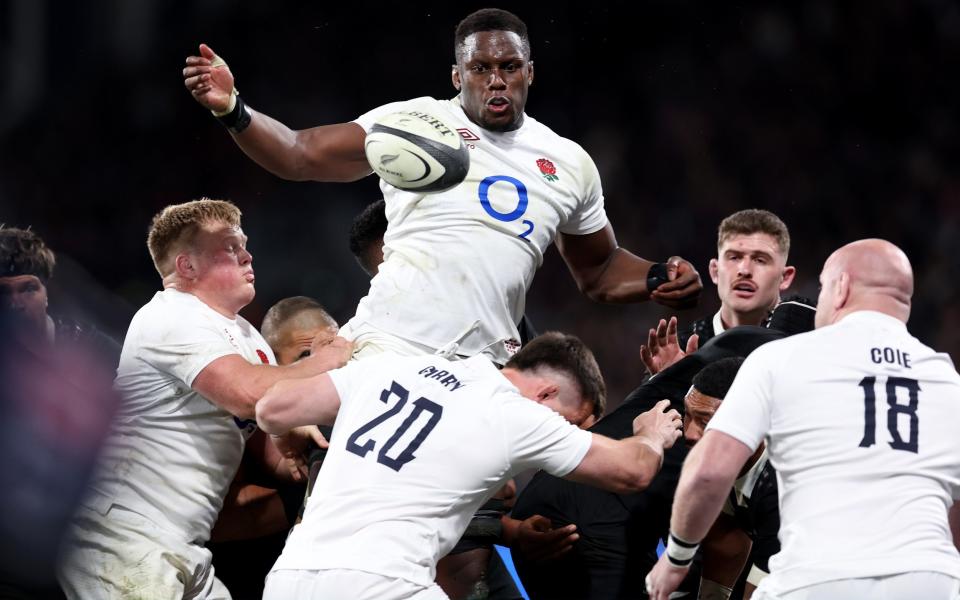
(840, 117)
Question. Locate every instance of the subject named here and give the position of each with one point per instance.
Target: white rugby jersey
(469, 253)
(863, 429)
(173, 453)
(420, 444)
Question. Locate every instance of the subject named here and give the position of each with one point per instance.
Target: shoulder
(563, 146)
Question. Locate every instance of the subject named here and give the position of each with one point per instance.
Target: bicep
(221, 382)
(333, 152)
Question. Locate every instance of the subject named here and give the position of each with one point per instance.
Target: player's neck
(731, 318)
(224, 308)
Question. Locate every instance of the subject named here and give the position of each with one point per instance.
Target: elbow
(267, 414)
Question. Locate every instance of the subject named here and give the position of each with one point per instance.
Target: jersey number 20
(420, 405)
(894, 410)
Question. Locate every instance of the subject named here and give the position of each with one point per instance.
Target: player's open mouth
(498, 104)
(249, 277)
(744, 288)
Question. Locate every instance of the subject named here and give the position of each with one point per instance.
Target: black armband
(237, 119)
(656, 276)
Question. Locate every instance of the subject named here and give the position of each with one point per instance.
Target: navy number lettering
(522, 201)
(420, 405)
(402, 394)
(894, 411)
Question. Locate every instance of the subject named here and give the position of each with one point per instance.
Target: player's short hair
(22, 252)
(366, 230)
(489, 19)
(567, 354)
(284, 311)
(176, 226)
(755, 220)
(715, 379)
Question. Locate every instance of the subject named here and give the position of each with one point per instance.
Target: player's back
(863, 435)
(419, 444)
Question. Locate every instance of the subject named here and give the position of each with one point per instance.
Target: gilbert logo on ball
(417, 152)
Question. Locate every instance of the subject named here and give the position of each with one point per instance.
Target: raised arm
(607, 273)
(236, 385)
(325, 153)
(629, 465)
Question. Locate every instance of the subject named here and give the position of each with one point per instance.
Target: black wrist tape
(237, 119)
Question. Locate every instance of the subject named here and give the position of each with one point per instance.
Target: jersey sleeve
(537, 437)
(745, 412)
(185, 346)
(590, 216)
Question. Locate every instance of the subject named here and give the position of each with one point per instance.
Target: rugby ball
(416, 151)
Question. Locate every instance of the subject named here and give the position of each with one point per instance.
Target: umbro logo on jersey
(467, 135)
(547, 169)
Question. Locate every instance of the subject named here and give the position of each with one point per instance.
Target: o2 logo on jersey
(420, 405)
(522, 200)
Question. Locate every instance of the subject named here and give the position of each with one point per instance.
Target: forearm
(697, 502)
(297, 402)
(621, 279)
(326, 153)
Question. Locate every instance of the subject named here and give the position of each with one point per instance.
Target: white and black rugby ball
(416, 151)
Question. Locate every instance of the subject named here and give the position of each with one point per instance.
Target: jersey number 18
(894, 411)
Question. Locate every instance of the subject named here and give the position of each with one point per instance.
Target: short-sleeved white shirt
(469, 253)
(172, 453)
(862, 423)
(420, 444)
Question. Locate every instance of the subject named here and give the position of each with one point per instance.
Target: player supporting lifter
(404, 475)
(861, 423)
(481, 241)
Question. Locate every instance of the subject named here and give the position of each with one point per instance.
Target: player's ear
(530, 73)
(787, 277)
(547, 391)
(455, 77)
(714, 269)
(842, 292)
(184, 266)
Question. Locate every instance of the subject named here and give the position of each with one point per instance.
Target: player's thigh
(344, 584)
(110, 558)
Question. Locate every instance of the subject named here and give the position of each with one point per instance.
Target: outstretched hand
(663, 346)
(683, 286)
(208, 78)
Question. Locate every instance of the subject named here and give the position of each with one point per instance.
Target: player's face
(224, 268)
(750, 272)
(296, 343)
(493, 74)
(25, 297)
(698, 410)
